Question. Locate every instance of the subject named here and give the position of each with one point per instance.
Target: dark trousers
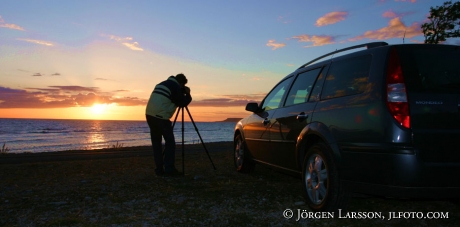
(164, 159)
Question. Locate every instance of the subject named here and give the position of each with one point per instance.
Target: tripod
(196, 129)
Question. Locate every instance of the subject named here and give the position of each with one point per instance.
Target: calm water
(25, 135)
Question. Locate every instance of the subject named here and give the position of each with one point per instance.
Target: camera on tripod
(186, 90)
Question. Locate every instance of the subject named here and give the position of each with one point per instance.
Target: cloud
(126, 42)
(412, 1)
(104, 79)
(14, 98)
(331, 18)
(317, 40)
(389, 14)
(10, 26)
(395, 29)
(219, 102)
(61, 97)
(283, 20)
(271, 43)
(40, 74)
(228, 100)
(75, 88)
(79, 96)
(119, 39)
(420, 42)
(133, 46)
(41, 42)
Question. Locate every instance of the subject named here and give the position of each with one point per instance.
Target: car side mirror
(252, 107)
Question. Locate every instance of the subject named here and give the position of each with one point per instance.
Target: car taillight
(396, 91)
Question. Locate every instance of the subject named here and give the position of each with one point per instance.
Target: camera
(186, 90)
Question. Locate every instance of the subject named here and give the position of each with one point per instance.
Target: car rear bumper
(403, 192)
(405, 175)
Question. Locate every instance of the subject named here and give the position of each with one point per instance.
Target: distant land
(231, 120)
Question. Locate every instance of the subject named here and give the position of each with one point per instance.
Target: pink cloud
(126, 41)
(61, 97)
(412, 1)
(389, 14)
(78, 96)
(271, 43)
(395, 29)
(41, 42)
(10, 26)
(331, 18)
(317, 40)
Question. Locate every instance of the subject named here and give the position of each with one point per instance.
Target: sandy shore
(119, 188)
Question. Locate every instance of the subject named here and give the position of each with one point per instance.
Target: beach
(118, 187)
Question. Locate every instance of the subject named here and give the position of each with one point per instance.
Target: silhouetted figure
(165, 98)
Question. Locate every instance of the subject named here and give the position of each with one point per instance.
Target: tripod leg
(174, 123)
(183, 171)
(177, 114)
(196, 129)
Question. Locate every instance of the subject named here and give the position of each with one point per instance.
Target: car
(378, 119)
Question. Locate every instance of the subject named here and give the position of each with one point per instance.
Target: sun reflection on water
(96, 139)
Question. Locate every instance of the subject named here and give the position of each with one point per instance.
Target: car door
(257, 127)
(289, 120)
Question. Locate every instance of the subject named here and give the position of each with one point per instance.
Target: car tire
(243, 162)
(322, 186)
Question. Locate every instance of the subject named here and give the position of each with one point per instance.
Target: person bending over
(163, 102)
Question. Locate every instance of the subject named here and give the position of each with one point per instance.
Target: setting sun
(98, 108)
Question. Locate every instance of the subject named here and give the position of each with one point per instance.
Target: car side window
(303, 85)
(347, 77)
(274, 98)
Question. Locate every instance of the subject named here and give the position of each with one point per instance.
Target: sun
(98, 108)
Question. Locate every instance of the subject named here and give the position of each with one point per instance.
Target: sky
(101, 59)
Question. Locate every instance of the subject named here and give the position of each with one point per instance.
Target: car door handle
(266, 121)
(302, 116)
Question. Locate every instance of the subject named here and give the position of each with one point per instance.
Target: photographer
(165, 98)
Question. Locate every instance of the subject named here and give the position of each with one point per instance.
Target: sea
(44, 135)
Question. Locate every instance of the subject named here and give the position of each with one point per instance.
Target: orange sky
(112, 112)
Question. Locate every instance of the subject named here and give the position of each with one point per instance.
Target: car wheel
(243, 163)
(323, 190)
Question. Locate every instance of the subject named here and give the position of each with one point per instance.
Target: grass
(126, 192)
(116, 146)
(4, 149)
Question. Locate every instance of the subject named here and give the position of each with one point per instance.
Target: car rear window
(429, 68)
(347, 77)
